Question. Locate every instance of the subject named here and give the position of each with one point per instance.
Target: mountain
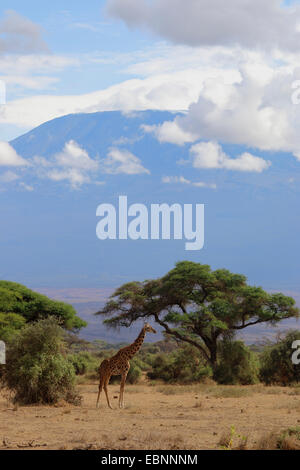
(76, 162)
(95, 132)
(96, 329)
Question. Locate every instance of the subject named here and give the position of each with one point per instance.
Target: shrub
(37, 369)
(276, 361)
(83, 362)
(288, 439)
(10, 323)
(181, 366)
(237, 364)
(134, 374)
(32, 306)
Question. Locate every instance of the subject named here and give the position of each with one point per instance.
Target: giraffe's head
(148, 328)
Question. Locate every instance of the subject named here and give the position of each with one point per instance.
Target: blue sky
(236, 148)
(87, 38)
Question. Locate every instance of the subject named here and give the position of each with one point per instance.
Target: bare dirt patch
(155, 417)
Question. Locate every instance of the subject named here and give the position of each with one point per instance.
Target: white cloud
(173, 91)
(75, 156)
(8, 177)
(200, 184)
(170, 132)
(164, 58)
(242, 114)
(175, 179)
(246, 162)
(27, 187)
(250, 24)
(73, 164)
(209, 155)
(20, 64)
(9, 157)
(19, 34)
(73, 175)
(123, 161)
(27, 82)
(256, 112)
(41, 162)
(33, 71)
(182, 180)
(24, 56)
(229, 95)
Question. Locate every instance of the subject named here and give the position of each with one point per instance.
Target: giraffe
(119, 365)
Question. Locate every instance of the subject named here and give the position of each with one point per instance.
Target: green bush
(134, 374)
(37, 370)
(237, 364)
(141, 363)
(83, 362)
(10, 323)
(276, 366)
(32, 306)
(181, 366)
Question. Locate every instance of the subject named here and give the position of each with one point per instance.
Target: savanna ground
(156, 417)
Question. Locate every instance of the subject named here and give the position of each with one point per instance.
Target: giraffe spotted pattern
(119, 365)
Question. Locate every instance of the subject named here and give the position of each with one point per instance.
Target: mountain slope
(48, 235)
(95, 132)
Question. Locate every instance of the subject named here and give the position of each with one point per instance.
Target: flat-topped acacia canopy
(197, 305)
(19, 305)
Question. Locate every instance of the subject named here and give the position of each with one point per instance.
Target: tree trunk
(211, 344)
(213, 355)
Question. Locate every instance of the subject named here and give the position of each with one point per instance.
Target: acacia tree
(19, 305)
(198, 306)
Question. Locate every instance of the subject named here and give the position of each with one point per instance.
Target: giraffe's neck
(136, 346)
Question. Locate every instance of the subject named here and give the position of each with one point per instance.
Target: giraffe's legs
(122, 386)
(100, 390)
(105, 389)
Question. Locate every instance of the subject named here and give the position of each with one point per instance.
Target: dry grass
(199, 405)
(290, 443)
(289, 439)
(87, 379)
(294, 390)
(289, 406)
(225, 440)
(161, 441)
(231, 392)
(217, 391)
(178, 389)
(268, 442)
(231, 440)
(227, 391)
(204, 416)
